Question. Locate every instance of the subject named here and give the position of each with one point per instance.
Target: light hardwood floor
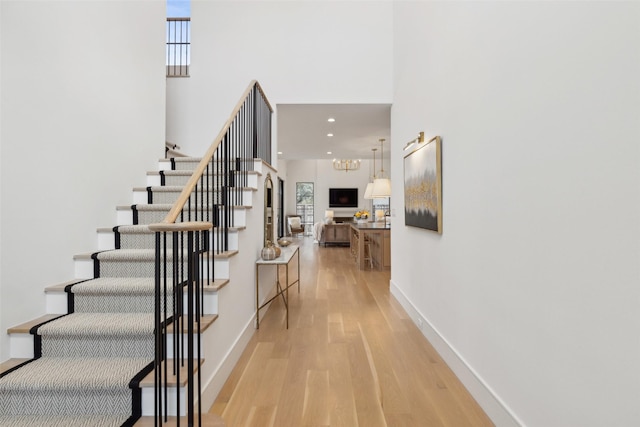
(351, 357)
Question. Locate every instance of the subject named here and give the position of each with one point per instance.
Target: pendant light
(381, 185)
(369, 189)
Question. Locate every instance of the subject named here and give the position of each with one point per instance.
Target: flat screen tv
(343, 197)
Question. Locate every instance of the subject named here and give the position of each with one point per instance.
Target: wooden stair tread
(10, 364)
(25, 327)
(232, 229)
(149, 380)
(208, 420)
(225, 254)
(215, 285)
(60, 287)
(205, 322)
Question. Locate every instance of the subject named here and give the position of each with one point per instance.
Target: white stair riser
(21, 346)
(153, 180)
(221, 268)
(233, 241)
(164, 165)
(148, 401)
(106, 240)
(57, 302)
(83, 268)
(124, 216)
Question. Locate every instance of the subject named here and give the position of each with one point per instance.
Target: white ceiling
(303, 129)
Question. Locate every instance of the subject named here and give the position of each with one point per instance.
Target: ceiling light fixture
(329, 135)
(346, 165)
(331, 120)
(329, 152)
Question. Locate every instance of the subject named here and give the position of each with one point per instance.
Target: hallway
(351, 357)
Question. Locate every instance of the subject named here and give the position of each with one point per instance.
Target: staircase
(90, 360)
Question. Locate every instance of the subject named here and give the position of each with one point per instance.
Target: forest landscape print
(423, 186)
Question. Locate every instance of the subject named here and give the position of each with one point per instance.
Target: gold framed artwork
(423, 186)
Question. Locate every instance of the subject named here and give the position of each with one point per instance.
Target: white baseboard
(214, 384)
(493, 406)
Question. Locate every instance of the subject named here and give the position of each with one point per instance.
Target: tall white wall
(82, 113)
(534, 284)
(300, 52)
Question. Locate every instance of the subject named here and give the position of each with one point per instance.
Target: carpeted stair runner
(114, 295)
(134, 236)
(89, 362)
(86, 335)
(71, 387)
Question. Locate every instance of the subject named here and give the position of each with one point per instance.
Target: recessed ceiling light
(329, 135)
(279, 152)
(329, 152)
(331, 120)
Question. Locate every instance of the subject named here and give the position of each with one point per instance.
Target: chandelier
(346, 164)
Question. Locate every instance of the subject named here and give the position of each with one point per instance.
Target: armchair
(295, 225)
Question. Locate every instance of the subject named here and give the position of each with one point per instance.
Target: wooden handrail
(202, 166)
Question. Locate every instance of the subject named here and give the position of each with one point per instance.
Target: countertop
(371, 226)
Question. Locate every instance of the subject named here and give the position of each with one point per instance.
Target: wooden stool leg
(367, 252)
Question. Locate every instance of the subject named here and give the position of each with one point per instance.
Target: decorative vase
(268, 253)
(277, 249)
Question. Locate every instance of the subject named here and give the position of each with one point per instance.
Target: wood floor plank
(342, 403)
(315, 409)
(261, 416)
(351, 357)
(238, 407)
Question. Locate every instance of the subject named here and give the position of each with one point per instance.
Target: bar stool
(367, 251)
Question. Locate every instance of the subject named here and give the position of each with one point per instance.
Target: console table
(284, 259)
(337, 234)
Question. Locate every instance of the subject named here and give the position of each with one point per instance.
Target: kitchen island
(371, 245)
